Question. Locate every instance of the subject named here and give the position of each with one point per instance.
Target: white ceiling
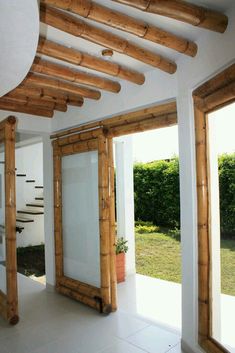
(176, 27)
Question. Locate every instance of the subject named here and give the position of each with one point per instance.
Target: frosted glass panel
(2, 221)
(80, 217)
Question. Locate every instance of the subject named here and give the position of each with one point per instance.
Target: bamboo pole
(10, 221)
(104, 224)
(34, 103)
(45, 81)
(21, 108)
(203, 225)
(182, 11)
(47, 94)
(112, 228)
(92, 302)
(100, 13)
(223, 79)
(122, 119)
(81, 288)
(144, 125)
(71, 24)
(69, 74)
(57, 177)
(79, 58)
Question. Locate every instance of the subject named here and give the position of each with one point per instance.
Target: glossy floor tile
(51, 323)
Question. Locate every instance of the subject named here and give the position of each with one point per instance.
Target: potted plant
(121, 250)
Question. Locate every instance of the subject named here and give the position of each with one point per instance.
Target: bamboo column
(203, 226)
(112, 228)
(58, 213)
(10, 221)
(104, 223)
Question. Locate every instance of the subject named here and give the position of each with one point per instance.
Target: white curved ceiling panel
(19, 31)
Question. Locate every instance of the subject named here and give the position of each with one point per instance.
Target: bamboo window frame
(9, 300)
(212, 95)
(103, 298)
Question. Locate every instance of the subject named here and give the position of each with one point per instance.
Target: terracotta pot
(120, 267)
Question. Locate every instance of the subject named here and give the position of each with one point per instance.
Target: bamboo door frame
(212, 95)
(9, 300)
(104, 298)
(68, 141)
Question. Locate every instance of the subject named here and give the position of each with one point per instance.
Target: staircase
(33, 208)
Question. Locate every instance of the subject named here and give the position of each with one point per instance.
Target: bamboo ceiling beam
(65, 73)
(21, 108)
(79, 58)
(35, 102)
(182, 11)
(45, 81)
(49, 94)
(100, 13)
(73, 25)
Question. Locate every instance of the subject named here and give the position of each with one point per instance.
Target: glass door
(8, 263)
(84, 239)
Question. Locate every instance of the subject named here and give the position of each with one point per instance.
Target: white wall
(29, 161)
(19, 28)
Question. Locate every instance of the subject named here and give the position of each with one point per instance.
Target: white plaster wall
(19, 28)
(29, 161)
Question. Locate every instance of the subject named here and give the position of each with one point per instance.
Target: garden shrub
(144, 229)
(157, 198)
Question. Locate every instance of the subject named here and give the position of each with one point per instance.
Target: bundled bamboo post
(58, 212)
(100, 13)
(45, 81)
(71, 24)
(104, 223)
(65, 73)
(112, 228)
(203, 224)
(92, 302)
(10, 221)
(183, 11)
(79, 58)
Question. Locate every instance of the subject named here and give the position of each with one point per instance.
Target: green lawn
(158, 255)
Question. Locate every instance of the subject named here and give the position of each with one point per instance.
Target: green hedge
(157, 197)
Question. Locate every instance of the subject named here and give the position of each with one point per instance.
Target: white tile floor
(51, 323)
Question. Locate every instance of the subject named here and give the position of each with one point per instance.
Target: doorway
(148, 216)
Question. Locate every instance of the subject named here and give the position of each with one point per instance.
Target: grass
(158, 255)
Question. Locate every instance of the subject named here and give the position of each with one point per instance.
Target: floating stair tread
(24, 220)
(39, 198)
(31, 212)
(38, 187)
(35, 204)
(30, 181)
(19, 228)
(21, 175)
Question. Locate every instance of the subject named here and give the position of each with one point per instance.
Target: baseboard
(187, 349)
(50, 287)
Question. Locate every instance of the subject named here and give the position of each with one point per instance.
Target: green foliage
(121, 246)
(146, 227)
(174, 233)
(227, 193)
(157, 192)
(157, 197)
